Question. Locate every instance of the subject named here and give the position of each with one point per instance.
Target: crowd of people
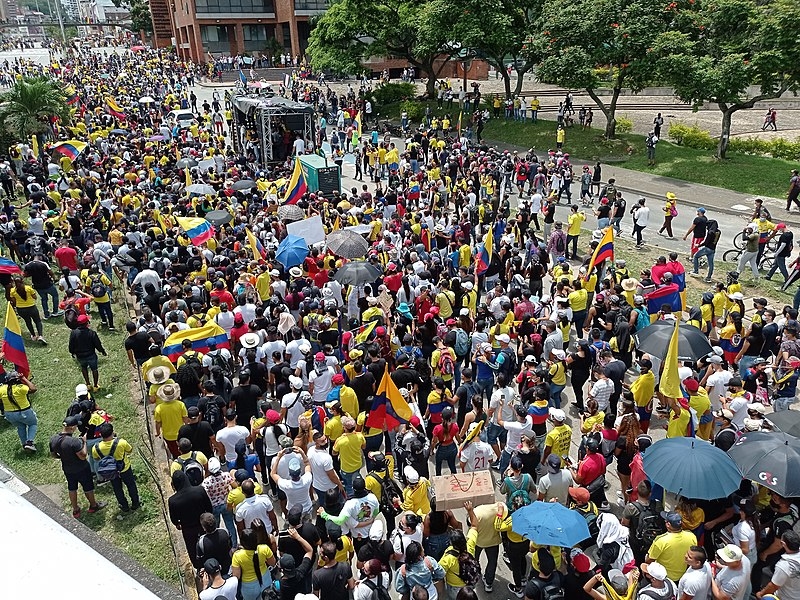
(511, 345)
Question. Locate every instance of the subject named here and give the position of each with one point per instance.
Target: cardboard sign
(453, 490)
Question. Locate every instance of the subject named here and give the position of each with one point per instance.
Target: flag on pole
(199, 230)
(255, 245)
(13, 346)
(113, 108)
(71, 148)
(364, 332)
(604, 251)
(389, 408)
(357, 123)
(297, 185)
(242, 78)
(460, 115)
(188, 176)
(35, 146)
(670, 383)
(484, 255)
(337, 224)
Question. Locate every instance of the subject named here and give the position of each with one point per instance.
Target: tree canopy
(28, 106)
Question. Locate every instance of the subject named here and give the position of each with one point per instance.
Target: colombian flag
(72, 96)
(413, 192)
(388, 408)
(71, 148)
(667, 294)
(255, 245)
(200, 338)
(13, 346)
(297, 185)
(113, 108)
(364, 332)
(460, 114)
(9, 267)
(199, 230)
(484, 256)
(604, 250)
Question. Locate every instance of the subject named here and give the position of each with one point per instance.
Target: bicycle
(764, 263)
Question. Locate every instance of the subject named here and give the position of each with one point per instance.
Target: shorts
(84, 478)
(88, 362)
(281, 495)
(644, 414)
(495, 432)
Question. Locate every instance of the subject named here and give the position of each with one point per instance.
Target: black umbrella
(357, 273)
(771, 459)
(654, 339)
(787, 421)
(219, 217)
(243, 184)
(347, 243)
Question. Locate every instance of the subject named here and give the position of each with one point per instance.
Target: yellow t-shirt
(19, 392)
(670, 549)
(236, 495)
(170, 415)
(415, 497)
(368, 431)
(488, 535)
(348, 447)
(19, 301)
(449, 561)
(445, 300)
(333, 428)
(578, 300)
(342, 555)
(574, 222)
(121, 453)
(198, 456)
(244, 560)
(677, 426)
(558, 373)
(558, 440)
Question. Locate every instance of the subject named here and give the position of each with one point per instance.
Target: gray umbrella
(291, 212)
(243, 184)
(357, 273)
(219, 217)
(347, 244)
(201, 188)
(186, 162)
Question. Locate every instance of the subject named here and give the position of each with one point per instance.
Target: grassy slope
(742, 173)
(143, 533)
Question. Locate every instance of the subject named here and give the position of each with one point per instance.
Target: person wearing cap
(298, 485)
(217, 485)
(716, 379)
(670, 548)
(84, 344)
(291, 407)
(557, 369)
(555, 483)
(784, 582)
(72, 453)
(697, 229)
(659, 586)
(168, 417)
(559, 437)
(214, 585)
(731, 574)
(348, 447)
(122, 453)
(199, 432)
(700, 403)
(737, 400)
(727, 434)
(784, 250)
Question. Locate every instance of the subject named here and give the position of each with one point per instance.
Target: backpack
(650, 593)
(509, 366)
(521, 492)
(642, 319)
(155, 334)
(469, 569)
(73, 409)
(389, 489)
(98, 288)
(713, 233)
(108, 467)
(673, 211)
(649, 526)
(192, 468)
(71, 317)
(550, 590)
(212, 413)
(560, 243)
(446, 364)
(378, 591)
(193, 361)
(462, 343)
(217, 360)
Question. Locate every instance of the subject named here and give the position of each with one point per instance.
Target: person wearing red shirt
(658, 270)
(393, 280)
(590, 468)
(445, 438)
(423, 303)
(321, 278)
(76, 299)
(66, 256)
(224, 295)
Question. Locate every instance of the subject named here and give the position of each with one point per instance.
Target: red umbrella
(138, 48)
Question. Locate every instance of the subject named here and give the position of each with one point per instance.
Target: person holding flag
(670, 393)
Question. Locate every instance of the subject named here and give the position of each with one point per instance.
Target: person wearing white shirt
(295, 349)
(255, 507)
(516, 427)
(292, 406)
(324, 475)
(373, 571)
(409, 529)
(228, 436)
(224, 319)
(695, 583)
(146, 276)
(272, 345)
(476, 456)
(297, 486)
(717, 382)
(247, 310)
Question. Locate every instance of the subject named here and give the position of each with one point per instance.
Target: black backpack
(212, 412)
(217, 360)
(193, 469)
(649, 526)
(98, 288)
(193, 361)
(560, 245)
(389, 489)
(154, 332)
(71, 317)
(378, 591)
(550, 590)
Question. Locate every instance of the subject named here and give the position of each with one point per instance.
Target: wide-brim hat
(250, 340)
(630, 284)
(169, 392)
(157, 375)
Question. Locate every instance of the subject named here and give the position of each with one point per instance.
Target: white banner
(309, 229)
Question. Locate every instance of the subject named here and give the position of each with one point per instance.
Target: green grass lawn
(142, 534)
(755, 175)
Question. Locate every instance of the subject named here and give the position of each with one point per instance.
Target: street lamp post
(465, 56)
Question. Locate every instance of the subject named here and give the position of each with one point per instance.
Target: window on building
(316, 5)
(234, 6)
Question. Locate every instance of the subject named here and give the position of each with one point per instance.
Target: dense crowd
(510, 341)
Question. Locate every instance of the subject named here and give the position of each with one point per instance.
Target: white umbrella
(200, 188)
(145, 100)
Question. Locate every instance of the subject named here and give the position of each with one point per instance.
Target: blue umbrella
(550, 524)
(292, 251)
(692, 468)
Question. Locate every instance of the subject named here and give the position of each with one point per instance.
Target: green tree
(718, 49)
(352, 31)
(579, 37)
(27, 108)
(141, 19)
(495, 30)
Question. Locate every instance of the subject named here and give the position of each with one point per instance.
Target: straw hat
(158, 375)
(630, 284)
(250, 340)
(169, 392)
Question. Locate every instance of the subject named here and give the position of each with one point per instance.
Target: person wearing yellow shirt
(121, 450)
(169, 416)
(348, 448)
(185, 447)
(558, 439)
(701, 404)
(679, 417)
(17, 408)
(333, 426)
(561, 135)
(244, 561)
(23, 299)
(416, 494)
(449, 561)
(516, 548)
(445, 300)
(574, 222)
(643, 388)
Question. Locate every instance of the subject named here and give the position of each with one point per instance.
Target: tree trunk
(430, 87)
(521, 79)
(506, 82)
(608, 111)
(724, 138)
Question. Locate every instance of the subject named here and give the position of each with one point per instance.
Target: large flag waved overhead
(71, 148)
(255, 245)
(297, 185)
(13, 346)
(113, 108)
(200, 338)
(484, 256)
(604, 251)
(199, 230)
(389, 408)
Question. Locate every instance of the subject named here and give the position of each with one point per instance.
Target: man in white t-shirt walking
(298, 485)
(695, 583)
(785, 582)
(324, 476)
(230, 435)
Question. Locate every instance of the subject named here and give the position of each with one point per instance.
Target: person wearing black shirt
(214, 543)
(362, 384)
(615, 371)
(185, 507)
(244, 399)
(43, 281)
(547, 578)
(307, 530)
(698, 230)
(200, 433)
(279, 374)
(72, 453)
(334, 580)
(137, 344)
(295, 576)
(785, 245)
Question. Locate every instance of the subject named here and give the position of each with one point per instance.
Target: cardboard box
(453, 490)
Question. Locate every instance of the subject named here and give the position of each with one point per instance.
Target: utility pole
(61, 23)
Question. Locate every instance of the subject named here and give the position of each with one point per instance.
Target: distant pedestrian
(72, 453)
(641, 218)
(657, 123)
(650, 142)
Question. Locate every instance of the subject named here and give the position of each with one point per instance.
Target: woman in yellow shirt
(23, 298)
(250, 565)
(344, 545)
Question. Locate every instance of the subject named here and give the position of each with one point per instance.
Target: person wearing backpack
(443, 362)
(419, 570)
(375, 583)
(642, 519)
(120, 451)
(659, 588)
(548, 583)
(191, 462)
(99, 285)
(439, 398)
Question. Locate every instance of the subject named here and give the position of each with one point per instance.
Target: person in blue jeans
(16, 407)
(445, 438)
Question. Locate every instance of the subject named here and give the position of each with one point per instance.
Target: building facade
(232, 27)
